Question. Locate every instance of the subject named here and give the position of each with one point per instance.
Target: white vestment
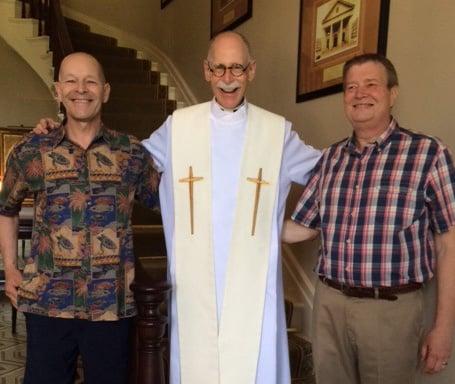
(227, 141)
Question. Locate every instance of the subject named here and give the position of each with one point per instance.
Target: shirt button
(348, 241)
(357, 186)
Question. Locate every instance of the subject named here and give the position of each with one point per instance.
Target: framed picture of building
(228, 14)
(164, 3)
(332, 32)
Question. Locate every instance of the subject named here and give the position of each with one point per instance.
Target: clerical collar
(230, 110)
(222, 114)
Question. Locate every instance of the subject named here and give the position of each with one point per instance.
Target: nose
(81, 86)
(227, 77)
(360, 92)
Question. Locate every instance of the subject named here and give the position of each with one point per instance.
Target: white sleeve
(158, 144)
(298, 157)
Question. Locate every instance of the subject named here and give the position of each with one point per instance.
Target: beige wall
(420, 44)
(25, 97)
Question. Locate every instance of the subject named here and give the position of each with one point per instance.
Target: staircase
(22, 34)
(138, 104)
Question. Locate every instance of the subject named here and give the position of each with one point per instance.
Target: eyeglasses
(236, 70)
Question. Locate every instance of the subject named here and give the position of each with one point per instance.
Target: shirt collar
(110, 137)
(380, 142)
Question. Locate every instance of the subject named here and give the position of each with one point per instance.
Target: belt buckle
(376, 293)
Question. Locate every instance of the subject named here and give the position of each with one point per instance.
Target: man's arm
(437, 346)
(294, 233)
(8, 247)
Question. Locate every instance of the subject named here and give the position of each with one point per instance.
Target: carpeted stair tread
(115, 76)
(76, 25)
(136, 106)
(124, 63)
(102, 49)
(139, 91)
(92, 38)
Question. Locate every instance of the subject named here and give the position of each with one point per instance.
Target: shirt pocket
(397, 206)
(59, 163)
(104, 165)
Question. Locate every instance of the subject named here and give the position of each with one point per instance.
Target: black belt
(385, 293)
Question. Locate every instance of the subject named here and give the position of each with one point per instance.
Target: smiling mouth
(229, 90)
(363, 105)
(81, 100)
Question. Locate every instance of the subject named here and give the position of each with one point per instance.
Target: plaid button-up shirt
(81, 263)
(377, 210)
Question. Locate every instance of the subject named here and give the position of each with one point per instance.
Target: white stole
(227, 352)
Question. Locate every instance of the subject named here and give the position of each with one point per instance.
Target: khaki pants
(366, 341)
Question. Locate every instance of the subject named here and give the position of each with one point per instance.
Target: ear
(207, 72)
(106, 92)
(393, 95)
(251, 72)
(58, 91)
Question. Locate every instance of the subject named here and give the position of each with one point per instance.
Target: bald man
(227, 166)
(75, 287)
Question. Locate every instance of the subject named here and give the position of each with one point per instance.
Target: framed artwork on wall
(9, 137)
(228, 14)
(332, 32)
(164, 3)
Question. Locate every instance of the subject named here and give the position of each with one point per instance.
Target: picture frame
(10, 136)
(229, 14)
(332, 32)
(164, 3)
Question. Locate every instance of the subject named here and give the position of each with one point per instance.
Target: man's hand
(294, 233)
(13, 278)
(45, 125)
(436, 349)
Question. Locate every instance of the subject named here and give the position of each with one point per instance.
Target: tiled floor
(12, 347)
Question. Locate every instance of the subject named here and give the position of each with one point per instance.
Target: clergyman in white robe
(227, 143)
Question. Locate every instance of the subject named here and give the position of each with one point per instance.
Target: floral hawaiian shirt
(81, 262)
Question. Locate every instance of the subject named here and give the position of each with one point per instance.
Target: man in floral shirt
(75, 287)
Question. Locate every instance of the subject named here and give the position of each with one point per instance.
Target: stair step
(139, 91)
(148, 240)
(116, 76)
(98, 49)
(124, 63)
(92, 38)
(76, 25)
(165, 107)
(153, 269)
(139, 125)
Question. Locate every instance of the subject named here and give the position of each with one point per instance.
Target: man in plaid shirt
(383, 201)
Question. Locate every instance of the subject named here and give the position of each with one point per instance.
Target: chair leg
(13, 319)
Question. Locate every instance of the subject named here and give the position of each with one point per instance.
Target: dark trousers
(53, 345)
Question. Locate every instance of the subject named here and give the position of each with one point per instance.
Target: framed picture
(228, 14)
(332, 32)
(164, 3)
(8, 138)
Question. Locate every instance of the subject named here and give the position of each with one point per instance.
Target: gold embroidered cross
(259, 183)
(190, 180)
